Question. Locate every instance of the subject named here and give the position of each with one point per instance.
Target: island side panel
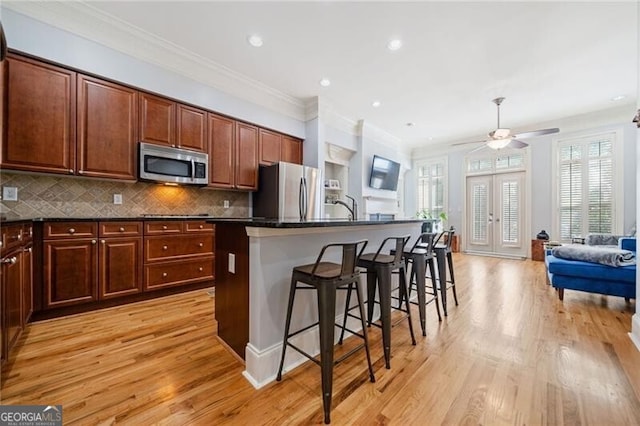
(232, 288)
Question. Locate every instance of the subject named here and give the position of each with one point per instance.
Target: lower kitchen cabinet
(120, 267)
(15, 281)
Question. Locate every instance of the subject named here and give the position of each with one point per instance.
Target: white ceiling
(549, 59)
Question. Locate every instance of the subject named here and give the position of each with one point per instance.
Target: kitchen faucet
(353, 209)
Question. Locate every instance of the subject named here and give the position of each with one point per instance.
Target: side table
(537, 250)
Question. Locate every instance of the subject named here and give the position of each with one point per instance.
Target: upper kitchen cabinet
(41, 117)
(276, 147)
(291, 150)
(270, 143)
(233, 154)
(246, 154)
(165, 122)
(107, 133)
(221, 138)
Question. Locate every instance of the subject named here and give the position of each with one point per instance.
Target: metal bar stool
(379, 268)
(420, 258)
(444, 259)
(326, 278)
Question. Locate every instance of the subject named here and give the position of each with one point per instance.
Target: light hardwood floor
(510, 353)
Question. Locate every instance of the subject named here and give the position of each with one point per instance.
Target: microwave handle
(193, 169)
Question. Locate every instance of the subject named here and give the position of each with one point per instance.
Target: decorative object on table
(542, 235)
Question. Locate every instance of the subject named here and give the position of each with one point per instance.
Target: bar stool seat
(326, 278)
(379, 268)
(444, 257)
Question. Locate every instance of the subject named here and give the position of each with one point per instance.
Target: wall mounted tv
(384, 174)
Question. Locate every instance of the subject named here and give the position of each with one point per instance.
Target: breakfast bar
(254, 259)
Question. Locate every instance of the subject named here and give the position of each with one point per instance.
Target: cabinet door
(291, 150)
(107, 135)
(12, 276)
(41, 117)
(157, 120)
(246, 156)
(192, 128)
(120, 267)
(269, 147)
(221, 151)
(70, 272)
(27, 284)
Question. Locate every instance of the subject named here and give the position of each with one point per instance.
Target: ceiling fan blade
(536, 133)
(517, 144)
(480, 148)
(468, 143)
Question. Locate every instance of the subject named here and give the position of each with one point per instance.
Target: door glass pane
(510, 212)
(479, 210)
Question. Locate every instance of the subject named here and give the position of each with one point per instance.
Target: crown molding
(82, 19)
(369, 131)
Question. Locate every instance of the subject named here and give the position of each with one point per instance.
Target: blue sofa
(593, 277)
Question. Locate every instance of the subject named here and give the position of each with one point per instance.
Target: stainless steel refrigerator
(288, 191)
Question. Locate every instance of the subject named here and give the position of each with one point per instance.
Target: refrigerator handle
(305, 200)
(301, 198)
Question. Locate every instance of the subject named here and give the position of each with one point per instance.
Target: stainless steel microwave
(173, 165)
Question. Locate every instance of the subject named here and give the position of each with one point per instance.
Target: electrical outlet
(117, 198)
(225, 204)
(9, 193)
(232, 263)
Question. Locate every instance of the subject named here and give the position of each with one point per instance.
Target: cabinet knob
(10, 260)
(103, 241)
(29, 250)
(70, 171)
(164, 275)
(164, 247)
(72, 230)
(80, 172)
(20, 236)
(121, 229)
(201, 269)
(164, 227)
(200, 244)
(1, 243)
(94, 242)
(201, 227)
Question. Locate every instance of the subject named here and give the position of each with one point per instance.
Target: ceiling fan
(502, 137)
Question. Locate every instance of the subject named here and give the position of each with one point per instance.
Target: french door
(496, 214)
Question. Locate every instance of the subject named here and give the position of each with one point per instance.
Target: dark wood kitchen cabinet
(166, 122)
(233, 154)
(291, 150)
(107, 129)
(16, 282)
(246, 154)
(90, 261)
(276, 147)
(270, 143)
(177, 253)
(41, 117)
(221, 139)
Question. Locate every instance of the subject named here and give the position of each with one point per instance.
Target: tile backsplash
(62, 196)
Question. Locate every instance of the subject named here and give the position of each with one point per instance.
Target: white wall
(28, 35)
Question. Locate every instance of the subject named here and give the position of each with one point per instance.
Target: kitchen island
(254, 259)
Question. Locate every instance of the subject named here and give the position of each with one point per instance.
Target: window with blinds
(431, 187)
(585, 186)
(479, 213)
(510, 212)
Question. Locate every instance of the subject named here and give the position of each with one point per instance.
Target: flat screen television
(384, 174)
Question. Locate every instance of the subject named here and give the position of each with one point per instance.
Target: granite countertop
(291, 223)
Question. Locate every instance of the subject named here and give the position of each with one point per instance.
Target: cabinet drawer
(178, 273)
(162, 227)
(120, 229)
(12, 236)
(70, 230)
(173, 248)
(198, 226)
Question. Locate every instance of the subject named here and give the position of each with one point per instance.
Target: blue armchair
(594, 277)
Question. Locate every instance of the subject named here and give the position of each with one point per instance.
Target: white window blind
(479, 213)
(431, 187)
(510, 212)
(586, 186)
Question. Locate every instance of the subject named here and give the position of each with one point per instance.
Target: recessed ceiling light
(409, 124)
(375, 104)
(394, 44)
(618, 98)
(325, 82)
(255, 40)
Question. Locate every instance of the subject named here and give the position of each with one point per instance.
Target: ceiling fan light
(498, 143)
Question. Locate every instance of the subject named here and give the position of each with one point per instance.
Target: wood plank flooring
(510, 353)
